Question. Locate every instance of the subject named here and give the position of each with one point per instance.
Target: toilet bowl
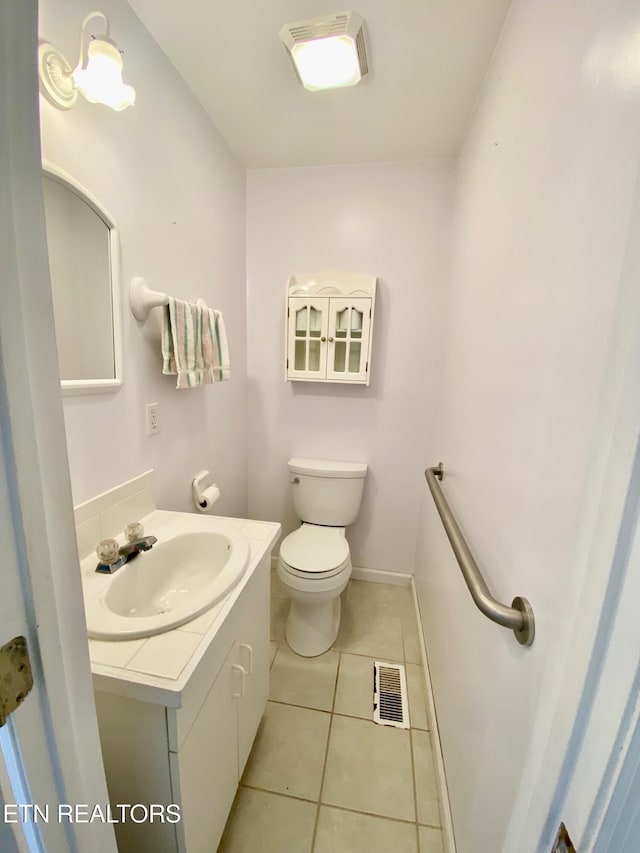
(314, 565)
(314, 568)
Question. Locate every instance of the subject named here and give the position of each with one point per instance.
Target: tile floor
(322, 776)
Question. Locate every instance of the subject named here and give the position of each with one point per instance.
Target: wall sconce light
(99, 79)
(327, 52)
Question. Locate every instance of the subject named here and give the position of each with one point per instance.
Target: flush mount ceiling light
(99, 79)
(327, 52)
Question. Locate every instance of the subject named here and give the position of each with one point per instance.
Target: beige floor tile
(268, 823)
(279, 613)
(411, 641)
(426, 788)
(369, 769)
(272, 652)
(417, 696)
(348, 832)
(381, 599)
(310, 682)
(288, 754)
(430, 840)
(354, 693)
(362, 634)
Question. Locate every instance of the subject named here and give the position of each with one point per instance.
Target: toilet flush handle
(296, 480)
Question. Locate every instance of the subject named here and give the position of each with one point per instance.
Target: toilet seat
(313, 551)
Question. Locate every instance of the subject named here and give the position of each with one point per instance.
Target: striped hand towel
(182, 343)
(194, 344)
(215, 348)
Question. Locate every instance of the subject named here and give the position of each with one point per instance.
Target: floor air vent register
(390, 706)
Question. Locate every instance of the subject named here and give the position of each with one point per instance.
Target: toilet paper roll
(207, 498)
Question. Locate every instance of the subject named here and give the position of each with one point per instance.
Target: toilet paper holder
(203, 499)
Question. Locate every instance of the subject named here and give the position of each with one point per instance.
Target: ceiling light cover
(327, 52)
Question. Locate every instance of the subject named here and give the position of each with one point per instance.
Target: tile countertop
(156, 669)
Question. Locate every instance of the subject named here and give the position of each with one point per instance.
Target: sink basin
(177, 580)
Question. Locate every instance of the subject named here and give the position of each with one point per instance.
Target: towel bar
(142, 299)
(518, 617)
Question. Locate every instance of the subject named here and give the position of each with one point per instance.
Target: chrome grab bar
(518, 617)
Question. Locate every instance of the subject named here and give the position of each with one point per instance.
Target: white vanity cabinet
(330, 327)
(193, 755)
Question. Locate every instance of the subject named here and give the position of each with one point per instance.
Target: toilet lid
(313, 548)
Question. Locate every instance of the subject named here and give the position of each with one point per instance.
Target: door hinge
(563, 843)
(16, 679)
(366, 369)
(288, 309)
(369, 313)
(287, 364)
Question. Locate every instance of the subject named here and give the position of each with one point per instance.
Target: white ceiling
(427, 59)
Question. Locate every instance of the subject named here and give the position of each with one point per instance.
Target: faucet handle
(133, 531)
(108, 552)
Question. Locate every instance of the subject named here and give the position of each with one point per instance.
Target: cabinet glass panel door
(307, 335)
(348, 338)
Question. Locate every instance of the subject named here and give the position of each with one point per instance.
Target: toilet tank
(327, 492)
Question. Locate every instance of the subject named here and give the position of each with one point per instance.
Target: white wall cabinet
(330, 327)
(193, 755)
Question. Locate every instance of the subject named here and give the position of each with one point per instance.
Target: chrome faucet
(126, 553)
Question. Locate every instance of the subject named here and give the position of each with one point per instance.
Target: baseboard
(359, 573)
(448, 839)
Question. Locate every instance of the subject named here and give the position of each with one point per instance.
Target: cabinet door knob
(330, 340)
(323, 338)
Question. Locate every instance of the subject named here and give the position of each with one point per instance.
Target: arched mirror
(84, 265)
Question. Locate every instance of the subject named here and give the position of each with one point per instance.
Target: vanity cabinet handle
(250, 650)
(243, 674)
(330, 340)
(323, 339)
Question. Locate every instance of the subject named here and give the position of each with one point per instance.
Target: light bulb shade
(327, 52)
(100, 81)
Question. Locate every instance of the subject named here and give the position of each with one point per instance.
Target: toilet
(314, 565)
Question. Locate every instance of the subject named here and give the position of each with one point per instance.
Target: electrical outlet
(153, 418)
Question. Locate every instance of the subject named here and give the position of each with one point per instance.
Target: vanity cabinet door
(208, 765)
(206, 768)
(253, 655)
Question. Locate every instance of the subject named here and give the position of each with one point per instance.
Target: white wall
(177, 194)
(542, 205)
(391, 221)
